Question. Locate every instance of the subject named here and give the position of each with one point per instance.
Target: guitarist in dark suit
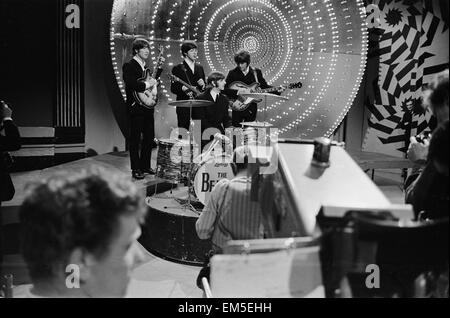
(141, 118)
(214, 116)
(193, 74)
(247, 75)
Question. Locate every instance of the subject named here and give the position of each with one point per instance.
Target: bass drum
(208, 173)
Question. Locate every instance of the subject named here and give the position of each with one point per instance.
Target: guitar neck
(155, 70)
(276, 88)
(270, 90)
(192, 88)
(158, 62)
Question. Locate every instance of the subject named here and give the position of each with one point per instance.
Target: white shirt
(214, 94)
(246, 71)
(190, 64)
(142, 64)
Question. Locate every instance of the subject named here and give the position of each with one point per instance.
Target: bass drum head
(209, 173)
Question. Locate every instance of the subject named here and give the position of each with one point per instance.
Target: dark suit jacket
(215, 115)
(184, 72)
(9, 142)
(132, 72)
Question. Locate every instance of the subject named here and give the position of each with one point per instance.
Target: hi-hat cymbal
(264, 96)
(191, 103)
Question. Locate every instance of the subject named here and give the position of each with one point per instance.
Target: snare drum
(208, 173)
(172, 155)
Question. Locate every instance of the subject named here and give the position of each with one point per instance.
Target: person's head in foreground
(241, 160)
(79, 232)
(436, 97)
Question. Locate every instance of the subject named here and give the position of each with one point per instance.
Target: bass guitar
(195, 91)
(149, 97)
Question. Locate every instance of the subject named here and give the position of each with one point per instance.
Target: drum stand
(187, 204)
(171, 196)
(266, 96)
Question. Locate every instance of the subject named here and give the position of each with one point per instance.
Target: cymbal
(256, 124)
(263, 96)
(191, 103)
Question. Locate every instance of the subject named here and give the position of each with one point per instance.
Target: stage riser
(174, 238)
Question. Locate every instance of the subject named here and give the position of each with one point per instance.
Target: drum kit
(175, 162)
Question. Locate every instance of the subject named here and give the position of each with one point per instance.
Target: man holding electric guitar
(246, 79)
(141, 90)
(247, 75)
(188, 81)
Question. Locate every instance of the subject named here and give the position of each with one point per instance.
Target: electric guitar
(241, 103)
(195, 91)
(149, 97)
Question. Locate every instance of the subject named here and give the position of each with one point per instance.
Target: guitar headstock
(295, 85)
(161, 50)
(159, 60)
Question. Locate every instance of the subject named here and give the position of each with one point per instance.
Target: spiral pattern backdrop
(323, 44)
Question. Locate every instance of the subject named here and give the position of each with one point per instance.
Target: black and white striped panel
(69, 94)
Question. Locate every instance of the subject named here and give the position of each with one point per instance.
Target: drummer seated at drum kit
(214, 118)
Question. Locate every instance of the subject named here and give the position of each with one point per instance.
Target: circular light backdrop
(322, 44)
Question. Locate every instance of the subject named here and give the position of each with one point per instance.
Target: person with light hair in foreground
(79, 234)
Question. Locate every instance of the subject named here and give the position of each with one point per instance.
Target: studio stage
(174, 252)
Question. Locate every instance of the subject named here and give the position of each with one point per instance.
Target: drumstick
(213, 145)
(202, 156)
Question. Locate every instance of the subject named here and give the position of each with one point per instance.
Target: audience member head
(5, 111)
(88, 220)
(240, 159)
(436, 96)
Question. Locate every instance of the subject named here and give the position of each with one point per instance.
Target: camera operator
(9, 141)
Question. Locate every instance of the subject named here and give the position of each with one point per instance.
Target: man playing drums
(214, 119)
